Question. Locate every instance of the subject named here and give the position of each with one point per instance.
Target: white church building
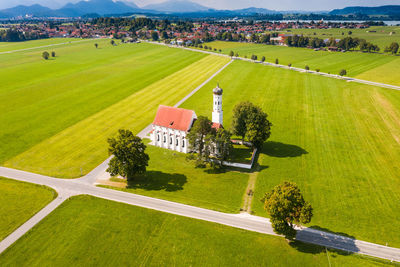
(171, 125)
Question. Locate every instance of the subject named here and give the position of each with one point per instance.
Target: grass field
(373, 67)
(89, 231)
(19, 201)
(338, 141)
(62, 111)
(379, 35)
(10, 46)
(170, 176)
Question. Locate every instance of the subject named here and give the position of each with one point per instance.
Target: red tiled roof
(217, 125)
(174, 118)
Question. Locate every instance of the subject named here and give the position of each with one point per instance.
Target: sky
(318, 5)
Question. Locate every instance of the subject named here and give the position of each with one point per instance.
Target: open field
(380, 35)
(170, 176)
(74, 101)
(11, 46)
(19, 201)
(356, 63)
(338, 141)
(89, 231)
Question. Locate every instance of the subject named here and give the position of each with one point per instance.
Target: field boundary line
(44, 46)
(334, 76)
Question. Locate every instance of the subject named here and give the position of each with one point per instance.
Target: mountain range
(115, 7)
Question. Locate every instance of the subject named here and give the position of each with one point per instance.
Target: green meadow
(90, 231)
(19, 201)
(379, 35)
(338, 141)
(171, 176)
(373, 67)
(11, 46)
(62, 111)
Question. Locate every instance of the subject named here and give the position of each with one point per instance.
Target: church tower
(217, 114)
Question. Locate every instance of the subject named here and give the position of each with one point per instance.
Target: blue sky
(233, 4)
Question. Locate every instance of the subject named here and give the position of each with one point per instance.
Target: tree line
(13, 35)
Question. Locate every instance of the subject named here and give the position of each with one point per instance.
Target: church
(171, 125)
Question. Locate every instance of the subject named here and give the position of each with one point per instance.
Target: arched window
(158, 137)
(165, 139)
(183, 143)
(170, 140)
(177, 142)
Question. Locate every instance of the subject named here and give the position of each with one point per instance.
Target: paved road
(67, 187)
(349, 79)
(43, 46)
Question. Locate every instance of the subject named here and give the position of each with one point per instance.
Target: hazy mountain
(255, 10)
(35, 10)
(177, 6)
(100, 7)
(380, 10)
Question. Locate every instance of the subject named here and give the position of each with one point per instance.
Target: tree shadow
(340, 243)
(156, 180)
(281, 150)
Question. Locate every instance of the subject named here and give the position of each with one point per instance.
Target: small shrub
(277, 61)
(53, 54)
(317, 70)
(343, 72)
(307, 67)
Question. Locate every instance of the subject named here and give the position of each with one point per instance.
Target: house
(171, 125)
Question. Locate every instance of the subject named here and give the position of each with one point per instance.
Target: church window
(183, 143)
(165, 139)
(158, 137)
(170, 140)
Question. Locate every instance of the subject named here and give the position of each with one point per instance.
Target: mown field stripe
(78, 149)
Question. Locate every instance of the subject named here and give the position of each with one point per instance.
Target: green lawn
(241, 154)
(77, 99)
(86, 231)
(380, 37)
(19, 201)
(10, 46)
(171, 176)
(338, 141)
(355, 63)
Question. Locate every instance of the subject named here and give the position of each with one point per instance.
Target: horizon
(283, 5)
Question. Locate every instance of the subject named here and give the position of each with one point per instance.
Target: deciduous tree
(129, 158)
(287, 207)
(45, 55)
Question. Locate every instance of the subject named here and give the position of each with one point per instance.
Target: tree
(53, 54)
(263, 59)
(290, 65)
(129, 158)
(287, 207)
(164, 35)
(45, 55)
(342, 72)
(249, 121)
(154, 35)
(394, 48)
(112, 42)
(237, 54)
(196, 137)
(231, 54)
(307, 67)
(258, 127)
(96, 45)
(276, 61)
(317, 70)
(223, 144)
